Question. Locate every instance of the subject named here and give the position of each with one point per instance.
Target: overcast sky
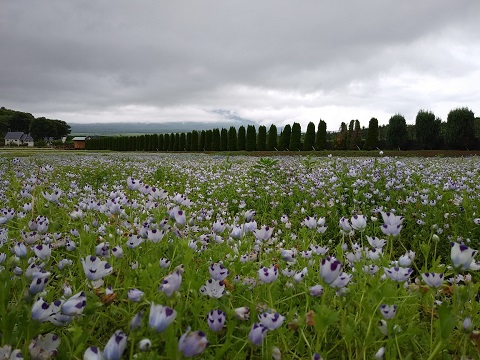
(268, 61)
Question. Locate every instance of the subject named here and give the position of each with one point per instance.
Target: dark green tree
(176, 142)
(350, 134)
(341, 140)
(286, 135)
(372, 136)
(232, 139)
(427, 129)
(183, 142)
(356, 137)
(224, 139)
(194, 146)
(216, 139)
(39, 128)
(309, 140)
(397, 134)
(208, 140)
(321, 136)
(272, 138)
(154, 142)
(160, 142)
(201, 144)
(295, 139)
(241, 138)
(188, 145)
(460, 130)
(20, 121)
(262, 138)
(251, 142)
(166, 142)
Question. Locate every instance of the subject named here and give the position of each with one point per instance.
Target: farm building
(79, 142)
(18, 138)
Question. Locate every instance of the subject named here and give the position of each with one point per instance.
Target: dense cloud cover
(269, 61)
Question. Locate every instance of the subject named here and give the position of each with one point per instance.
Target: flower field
(166, 256)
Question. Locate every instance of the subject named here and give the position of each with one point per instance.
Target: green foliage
(216, 139)
(286, 135)
(321, 136)
(208, 140)
(397, 135)
(241, 138)
(262, 138)
(176, 143)
(232, 139)
(272, 138)
(427, 129)
(309, 140)
(295, 139)
(460, 130)
(183, 142)
(251, 142)
(372, 136)
(188, 144)
(201, 144)
(223, 140)
(341, 140)
(194, 145)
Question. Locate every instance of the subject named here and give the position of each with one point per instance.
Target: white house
(18, 138)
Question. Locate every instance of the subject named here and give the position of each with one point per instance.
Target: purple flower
(41, 310)
(192, 343)
(136, 322)
(171, 283)
(271, 321)
(257, 334)
(20, 250)
(359, 222)
(218, 271)
(37, 285)
(264, 233)
(398, 273)
(268, 275)
(316, 290)
(216, 320)
(330, 269)
(44, 346)
(345, 226)
(93, 353)
(388, 311)
(135, 295)
(115, 346)
(341, 280)
(75, 305)
(213, 288)
(43, 251)
(95, 269)
(433, 279)
(462, 256)
(160, 317)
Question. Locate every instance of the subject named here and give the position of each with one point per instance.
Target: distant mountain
(231, 119)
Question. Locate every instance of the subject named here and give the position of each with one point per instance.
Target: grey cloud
(79, 56)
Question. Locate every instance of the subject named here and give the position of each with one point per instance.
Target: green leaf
(446, 320)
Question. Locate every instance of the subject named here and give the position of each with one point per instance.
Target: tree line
(461, 131)
(39, 128)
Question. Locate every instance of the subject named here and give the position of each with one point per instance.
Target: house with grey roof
(18, 138)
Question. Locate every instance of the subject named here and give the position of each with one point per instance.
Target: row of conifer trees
(460, 131)
(233, 139)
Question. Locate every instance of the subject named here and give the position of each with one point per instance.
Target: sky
(269, 61)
